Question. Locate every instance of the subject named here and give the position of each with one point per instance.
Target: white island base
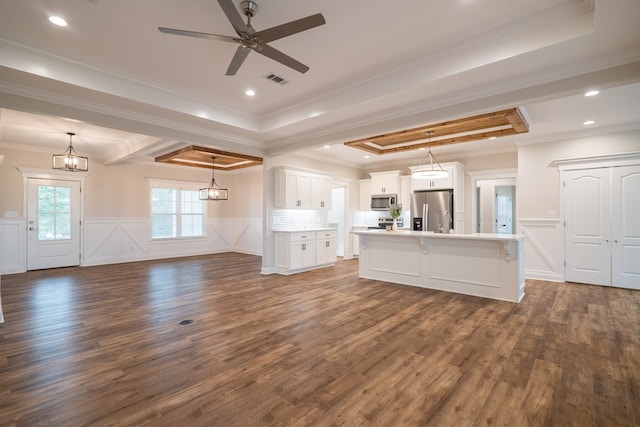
(483, 265)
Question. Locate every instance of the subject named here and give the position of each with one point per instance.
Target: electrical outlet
(11, 214)
(551, 213)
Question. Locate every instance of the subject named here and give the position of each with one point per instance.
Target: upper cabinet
(296, 189)
(437, 184)
(365, 194)
(385, 182)
(320, 192)
(405, 192)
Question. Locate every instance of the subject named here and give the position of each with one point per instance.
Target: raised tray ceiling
(201, 157)
(483, 126)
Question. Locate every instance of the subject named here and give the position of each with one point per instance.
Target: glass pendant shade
(213, 192)
(430, 168)
(70, 160)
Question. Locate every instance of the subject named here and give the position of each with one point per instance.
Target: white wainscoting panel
(111, 241)
(13, 249)
(544, 253)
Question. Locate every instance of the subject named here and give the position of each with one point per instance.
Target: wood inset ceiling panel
(483, 126)
(201, 157)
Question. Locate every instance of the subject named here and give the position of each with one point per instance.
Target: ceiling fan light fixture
(70, 160)
(213, 191)
(430, 168)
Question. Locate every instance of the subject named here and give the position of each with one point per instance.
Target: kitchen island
(484, 265)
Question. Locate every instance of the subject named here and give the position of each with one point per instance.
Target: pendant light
(432, 170)
(70, 160)
(213, 192)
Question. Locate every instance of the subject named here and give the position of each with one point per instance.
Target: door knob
(31, 228)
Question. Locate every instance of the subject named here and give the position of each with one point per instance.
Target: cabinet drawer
(329, 234)
(302, 236)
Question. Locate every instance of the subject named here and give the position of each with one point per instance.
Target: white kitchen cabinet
(321, 192)
(436, 184)
(385, 182)
(365, 194)
(295, 251)
(405, 192)
(297, 189)
(326, 247)
(298, 251)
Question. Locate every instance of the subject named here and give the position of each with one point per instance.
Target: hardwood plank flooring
(104, 346)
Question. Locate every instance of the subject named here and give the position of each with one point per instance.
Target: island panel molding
(483, 265)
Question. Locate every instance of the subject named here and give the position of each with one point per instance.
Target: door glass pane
(54, 212)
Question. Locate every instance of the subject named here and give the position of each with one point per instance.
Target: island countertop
(431, 234)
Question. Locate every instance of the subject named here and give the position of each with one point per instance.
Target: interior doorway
(495, 206)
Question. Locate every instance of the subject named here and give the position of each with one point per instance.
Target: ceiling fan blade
(280, 57)
(234, 17)
(238, 59)
(299, 25)
(198, 34)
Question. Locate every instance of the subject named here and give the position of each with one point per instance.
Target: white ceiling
(131, 93)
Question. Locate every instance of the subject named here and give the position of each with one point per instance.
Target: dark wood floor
(104, 346)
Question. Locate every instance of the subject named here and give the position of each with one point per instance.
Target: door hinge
(564, 263)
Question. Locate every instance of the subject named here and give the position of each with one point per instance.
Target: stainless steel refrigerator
(432, 211)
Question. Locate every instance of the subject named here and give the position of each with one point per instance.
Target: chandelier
(430, 168)
(70, 160)
(213, 192)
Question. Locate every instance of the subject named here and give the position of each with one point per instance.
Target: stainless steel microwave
(382, 202)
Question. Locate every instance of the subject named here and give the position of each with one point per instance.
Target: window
(176, 211)
(54, 212)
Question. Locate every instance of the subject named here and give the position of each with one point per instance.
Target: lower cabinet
(298, 251)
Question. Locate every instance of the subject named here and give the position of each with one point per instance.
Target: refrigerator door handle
(425, 217)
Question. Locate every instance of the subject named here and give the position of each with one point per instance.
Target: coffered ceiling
(132, 93)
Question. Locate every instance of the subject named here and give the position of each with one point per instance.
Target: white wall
(539, 204)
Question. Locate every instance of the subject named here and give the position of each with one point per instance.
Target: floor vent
(276, 78)
(186, 322)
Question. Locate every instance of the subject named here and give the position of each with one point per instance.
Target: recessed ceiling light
(60, 22)
(327, 146)
(588, 122)
(367, 156)
(250, 92)
(492, 137)
(421, 149)
(592, 93)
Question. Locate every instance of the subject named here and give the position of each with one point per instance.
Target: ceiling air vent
(276, 78)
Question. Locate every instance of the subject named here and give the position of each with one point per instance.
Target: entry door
(626, 227)
(53, 223)
(588, 226)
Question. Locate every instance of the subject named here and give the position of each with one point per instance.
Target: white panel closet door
(588, 226)
(626, 226)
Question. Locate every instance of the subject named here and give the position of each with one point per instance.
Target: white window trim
(177, 185)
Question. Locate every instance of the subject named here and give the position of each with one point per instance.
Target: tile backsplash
(296, 219)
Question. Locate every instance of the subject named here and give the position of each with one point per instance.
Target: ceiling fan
(250, 40)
